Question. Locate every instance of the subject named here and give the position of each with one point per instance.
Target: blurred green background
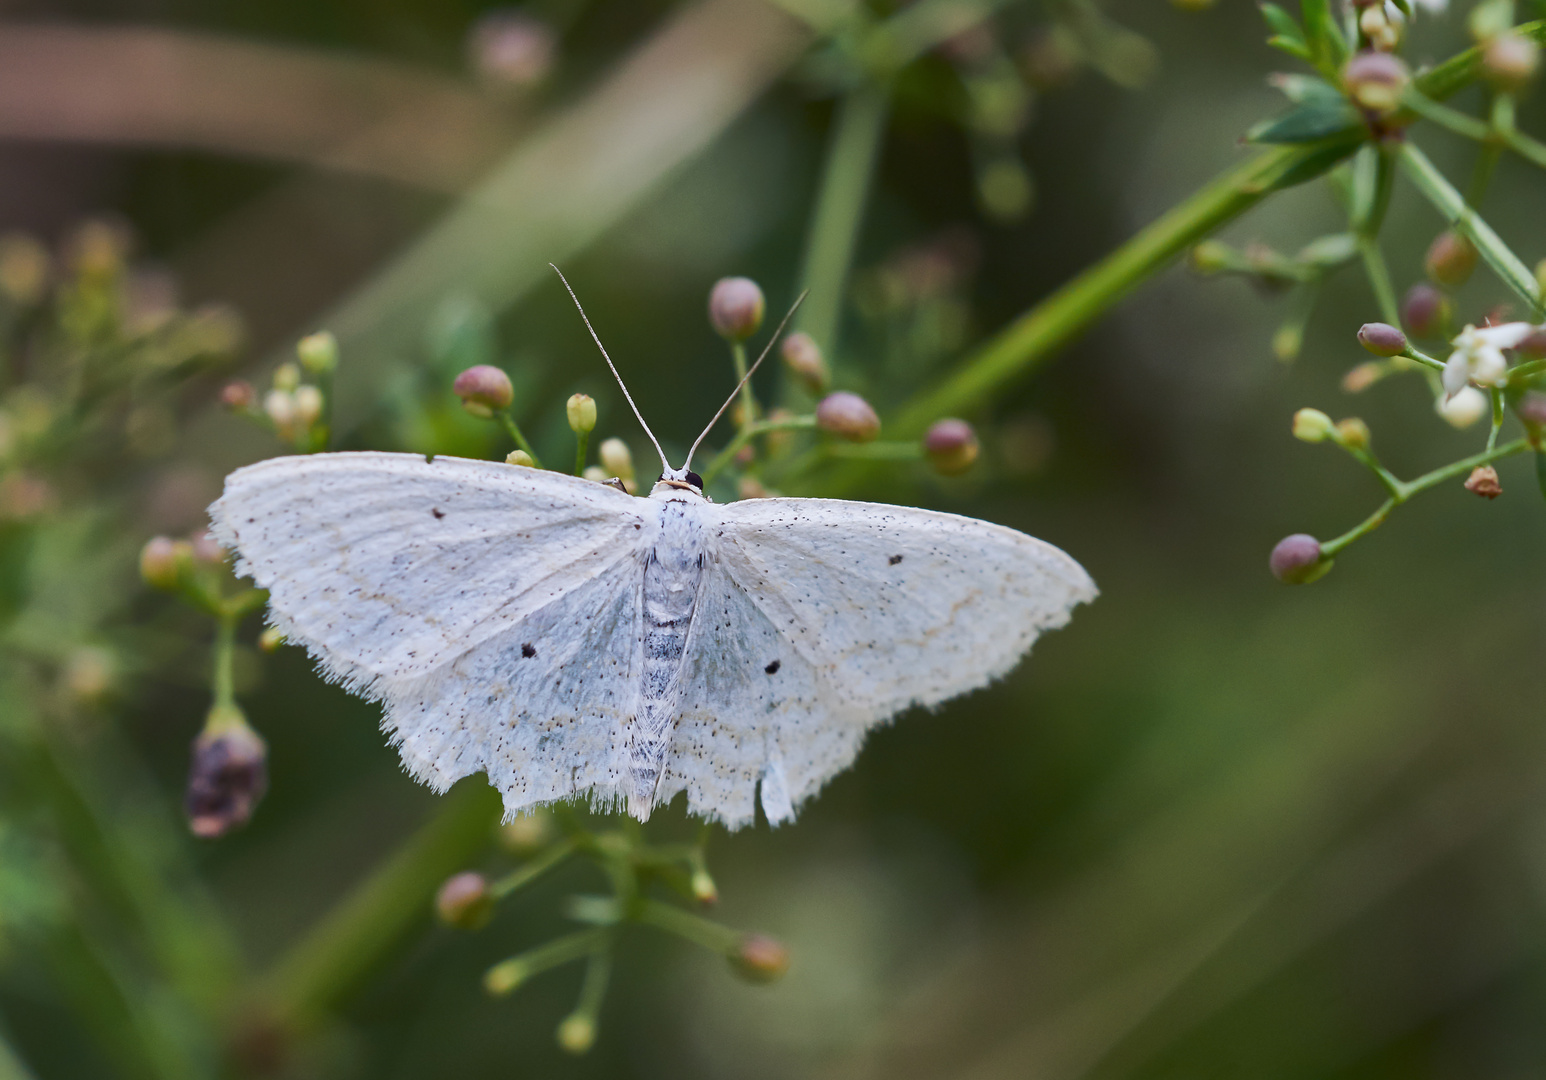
(1215, 827)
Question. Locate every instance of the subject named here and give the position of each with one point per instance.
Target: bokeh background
(1216, 827)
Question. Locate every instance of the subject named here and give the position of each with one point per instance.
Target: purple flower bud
(951, 446)
(848, 416)
(484, 389)
(1450, 259)
(1531, 410)
(1297, 559)
(239, 396)
(759, 958)
(227, 776)
(1375, 81)
(1381, 339)
(1534, 346)
(1425, 311)
(735, 308)
(803, 358)
(464, 901)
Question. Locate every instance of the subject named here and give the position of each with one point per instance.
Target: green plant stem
(349, 940)
(598, 972)
(1497, 418)
(1405, 490)
(748, 399)
(747, 434)
(1453, 207)
(1462, 124)
(875, 451)
(1387, 480)
(852, 152)
(520, 440)
(1422, 358)
(222, 678)
(525, 875)
(553, 954)
(1367, 229)
(684, 924)
(581, 447)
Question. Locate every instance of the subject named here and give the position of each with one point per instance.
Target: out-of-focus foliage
(1215, 827)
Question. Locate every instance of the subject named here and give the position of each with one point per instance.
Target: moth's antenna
(664, 464)
(765, 350)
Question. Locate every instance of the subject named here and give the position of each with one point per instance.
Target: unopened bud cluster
(293, 407)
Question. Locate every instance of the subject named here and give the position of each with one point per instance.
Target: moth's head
(678, 480)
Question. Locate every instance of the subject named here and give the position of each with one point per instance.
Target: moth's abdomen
(672, 573)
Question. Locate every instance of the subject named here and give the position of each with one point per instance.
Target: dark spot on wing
(528, 650)
(894, 559)
(772, 669)
(439, 513)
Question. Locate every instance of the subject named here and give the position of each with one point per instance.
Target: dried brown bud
(951, 446)
(484, 389)
(802, 356)
(227, 776)
(1483, 481)
(464, 901)
(1297, 560)
(1450, 259)
(1381, 339)
(239, 396)
(759, 958)
(848, 416)
(1425, 312)
(736, 307)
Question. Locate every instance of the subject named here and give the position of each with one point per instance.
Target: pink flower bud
(239, 396)
(206, 549)
(484, 389)
(1381, 339)
(464, 901)
(759, 958)
(1425, 311)
(511, 50)
(802, 356)
(951, 446)
(1450, 259)
(161, 562)
(736, 307)
(1297, 559)
(848, 416)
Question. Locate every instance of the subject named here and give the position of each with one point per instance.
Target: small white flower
(1478, 355)
(1464, 409)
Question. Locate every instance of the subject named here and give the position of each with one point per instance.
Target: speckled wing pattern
(497, 613)
(822, 618)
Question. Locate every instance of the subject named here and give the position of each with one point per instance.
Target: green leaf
(1332, 250)
(1315, 164)
(1404, 7)
(1323, 34)
(1306, 89)
(1308, 123)
(1293, 46)
(1282, 23)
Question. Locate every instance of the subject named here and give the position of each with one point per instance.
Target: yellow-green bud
(616, 459)
(526, 834)
(1312, 426)
(318, 352)
(759, 958)
(162, 561)
(576, 1034)
(582, 413)
(464, 901)
(270, 639)
(1353, 433)
(504, 977)
(287, 376)
(519, 457)
(308, 405)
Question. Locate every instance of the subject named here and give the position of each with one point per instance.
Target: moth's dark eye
(695, 480)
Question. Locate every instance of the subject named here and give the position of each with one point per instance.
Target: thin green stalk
(11, 1065)
(581, 448)
(852, 152)
(525, 875)
(1423, 358)
(1367, 228)
(1463, 124)
(685, 924)
(1452, 206)
(593, 991)
(748, 398)
(1497, 418)
(745, 435)
(1407, 489)
(520, 440)
(317, 972)
(507, 975)
(1386, 478)
(222, 678)
(876, 451)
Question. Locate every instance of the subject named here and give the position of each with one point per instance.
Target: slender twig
(746, 434)
(525, 875)
(520, 440)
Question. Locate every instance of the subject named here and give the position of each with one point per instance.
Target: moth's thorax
(668, 490)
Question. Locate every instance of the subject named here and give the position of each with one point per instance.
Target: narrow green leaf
(1323, 34)
(1308, 123)
(1293, 46)
(1281, 22)
(1311, 165)
(1404, 7)
(1306, 89)
(1332, 250)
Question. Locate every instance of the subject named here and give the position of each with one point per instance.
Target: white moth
(570, 640)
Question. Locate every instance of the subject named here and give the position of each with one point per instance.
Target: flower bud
(848, 416)
(24, 269)
(162, 560)
(519, 457)
(576, 1034)
(1375, 80)
(1450, 259)
(1297, 560)
(484, 389)
(227, 776)
(206, 549)
(88, 674)
(802, 356)
(464, 901)
(279, 406)
(287, 376)
(749, 487)
(760, 959)
(1381, 339)
(1363, 376)
(270, 639)
(582, 413)
(1483, 481)
(951, 446)
(596, 473)
(505, 976)
(1510, 61)
(318, 353)
(1425, 311)
(735, 308)
(1312, 426)
(510, 50)
(1210, 256)
(1531, 411)
(1353, 433)
(238, 396)
(1464, 409)
(526, 834)
(308, 405)
(1534, 346)
(703, 888)
(615, 459)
